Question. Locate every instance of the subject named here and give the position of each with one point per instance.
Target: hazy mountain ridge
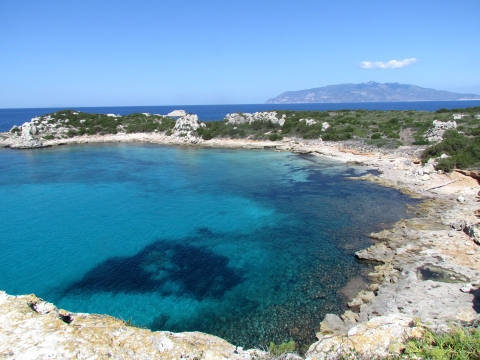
(368, 92)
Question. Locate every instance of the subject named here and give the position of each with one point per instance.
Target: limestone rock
(176, 113)
(27, 140)
(325, 126)
(355, 303)
(349, 317)
(366, 296)
(185, 128)
(332, 324)
(379, 337)
(378, 252)
(309, 121)
(31, 328)
(439, 128)
(240, 118)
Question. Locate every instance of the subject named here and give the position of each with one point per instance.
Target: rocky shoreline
(428, 268)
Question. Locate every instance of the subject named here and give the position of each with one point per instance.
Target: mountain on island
(368, 92)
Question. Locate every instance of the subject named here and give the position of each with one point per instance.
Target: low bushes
(463, 151)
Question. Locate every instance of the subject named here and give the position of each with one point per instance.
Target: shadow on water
(164, 267)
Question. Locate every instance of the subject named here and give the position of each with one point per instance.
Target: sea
(253, 246)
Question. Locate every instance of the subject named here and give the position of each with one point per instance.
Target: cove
(250, 245)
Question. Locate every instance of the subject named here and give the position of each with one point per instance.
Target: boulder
(332, 324)
(349, 317)
(379, 252)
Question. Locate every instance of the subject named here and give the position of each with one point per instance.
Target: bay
(250, 245)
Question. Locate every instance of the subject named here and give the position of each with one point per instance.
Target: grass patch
(460, 343)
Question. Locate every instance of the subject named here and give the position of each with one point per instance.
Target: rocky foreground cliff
(31, 328)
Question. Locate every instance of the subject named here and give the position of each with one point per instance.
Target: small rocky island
(426, 276)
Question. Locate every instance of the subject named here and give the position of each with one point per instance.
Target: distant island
(368, 92)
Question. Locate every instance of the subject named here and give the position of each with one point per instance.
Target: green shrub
(275, 137)
(421, 142)
(447, 164)
(283, 348)
(71, 133)
(376, 136)
(393, 135)
(464, 152)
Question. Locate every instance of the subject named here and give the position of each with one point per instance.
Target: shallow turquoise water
(253, 246)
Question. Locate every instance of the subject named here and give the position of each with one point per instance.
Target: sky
(56, 53)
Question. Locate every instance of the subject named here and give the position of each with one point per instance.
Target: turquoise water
(252, 246)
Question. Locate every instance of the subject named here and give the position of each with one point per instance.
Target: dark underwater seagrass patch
(165, 267)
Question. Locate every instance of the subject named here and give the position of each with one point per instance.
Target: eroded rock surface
(31, 328)
(26, 139)
(378, 337)
(439, 127)
(186, 127)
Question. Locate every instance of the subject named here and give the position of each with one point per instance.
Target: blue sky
(119, 52)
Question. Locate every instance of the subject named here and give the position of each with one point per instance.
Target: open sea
(250, 245)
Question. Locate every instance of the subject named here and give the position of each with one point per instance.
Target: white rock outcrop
(240, 118)
(185, 128)
(309, 121)
(31, 328)
(176, 113)
(439, 128)
(325, 126)
(27, 140)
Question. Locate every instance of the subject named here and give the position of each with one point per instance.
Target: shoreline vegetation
(427, 274)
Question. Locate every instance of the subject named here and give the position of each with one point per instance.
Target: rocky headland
(427, 272)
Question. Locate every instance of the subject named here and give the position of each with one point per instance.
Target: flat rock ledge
(31, 328)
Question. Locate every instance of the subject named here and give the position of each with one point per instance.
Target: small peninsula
(426, 276)
(368, 92)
